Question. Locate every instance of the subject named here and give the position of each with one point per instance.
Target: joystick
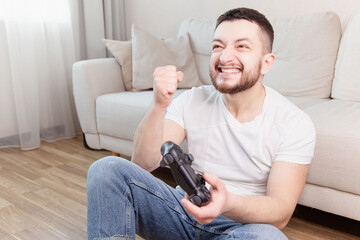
(180, 165)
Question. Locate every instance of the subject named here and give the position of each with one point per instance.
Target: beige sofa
(317, 68)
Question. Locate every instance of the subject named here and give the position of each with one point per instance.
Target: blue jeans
(124, 199)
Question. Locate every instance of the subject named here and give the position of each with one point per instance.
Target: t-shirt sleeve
(176, 109)
(298, 142)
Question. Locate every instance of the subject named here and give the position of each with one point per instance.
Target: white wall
(162, 17)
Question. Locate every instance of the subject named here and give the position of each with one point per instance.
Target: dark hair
(250, 15)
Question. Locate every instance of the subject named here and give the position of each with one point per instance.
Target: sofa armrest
(92, 78)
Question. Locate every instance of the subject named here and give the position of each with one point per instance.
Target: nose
(227, 55)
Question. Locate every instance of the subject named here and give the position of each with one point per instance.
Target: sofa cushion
(119, 114)
(346, 84)
(121, 50)
(305, 102)
(201, 33)
(305, 48)
(149, 52)
(336, 162)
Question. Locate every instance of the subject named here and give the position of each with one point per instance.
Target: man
(253, 146)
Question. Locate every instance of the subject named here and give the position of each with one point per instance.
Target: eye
(216, 47)
(243, 46)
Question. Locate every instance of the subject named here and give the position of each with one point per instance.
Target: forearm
(285, 184)
(149, 135)
(259, 209)
(148, 139)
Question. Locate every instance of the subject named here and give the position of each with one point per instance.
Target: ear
(267, 63)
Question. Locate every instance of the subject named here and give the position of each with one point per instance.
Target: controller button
(191, 157)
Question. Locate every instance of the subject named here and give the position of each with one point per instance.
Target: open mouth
(232, 70)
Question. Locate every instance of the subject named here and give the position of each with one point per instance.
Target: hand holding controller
(180, 165)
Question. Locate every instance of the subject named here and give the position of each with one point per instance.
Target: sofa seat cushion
(336, 162)
(119, 114)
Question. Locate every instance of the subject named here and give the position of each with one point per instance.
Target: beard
(247, 80)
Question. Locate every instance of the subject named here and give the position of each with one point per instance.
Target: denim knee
(107, 170)
(103, 166)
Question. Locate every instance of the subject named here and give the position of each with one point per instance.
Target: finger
(179, 76)
(213, 180)
(201, 215)
(190, 207)
(164, 69)
(186, 196)
(195, 210)
(168, 67)
(171, 89)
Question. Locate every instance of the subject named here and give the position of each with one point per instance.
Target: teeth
(231, 70)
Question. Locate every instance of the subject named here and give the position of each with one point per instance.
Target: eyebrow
(238, 40)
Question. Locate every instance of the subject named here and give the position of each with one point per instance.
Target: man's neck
(247, 105)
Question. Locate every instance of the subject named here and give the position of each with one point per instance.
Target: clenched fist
(166, 80)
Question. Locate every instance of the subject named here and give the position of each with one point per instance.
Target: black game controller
(180, 165)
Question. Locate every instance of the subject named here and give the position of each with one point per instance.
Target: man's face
(237, 54)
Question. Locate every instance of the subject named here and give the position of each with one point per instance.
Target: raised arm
(154, 129)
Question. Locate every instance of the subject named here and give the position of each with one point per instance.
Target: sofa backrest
(305, 47)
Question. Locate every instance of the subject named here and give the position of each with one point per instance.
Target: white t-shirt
(241, 154)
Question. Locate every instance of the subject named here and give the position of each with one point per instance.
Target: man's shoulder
(284, 110)
(297, 131)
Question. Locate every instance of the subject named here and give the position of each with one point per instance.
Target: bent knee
(103, 164)
(106, 168)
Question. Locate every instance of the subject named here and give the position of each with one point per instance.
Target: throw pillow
(305, 49)
(149, 52)
(346, 84)
(201, 33)
(121, 50)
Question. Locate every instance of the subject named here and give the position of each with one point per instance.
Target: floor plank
(43, 195)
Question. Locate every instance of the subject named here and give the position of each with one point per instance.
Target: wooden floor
(43, 194)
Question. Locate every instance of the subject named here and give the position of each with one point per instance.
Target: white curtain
(39, 42)
(36, 55)
(93, 20)
(114, 19)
